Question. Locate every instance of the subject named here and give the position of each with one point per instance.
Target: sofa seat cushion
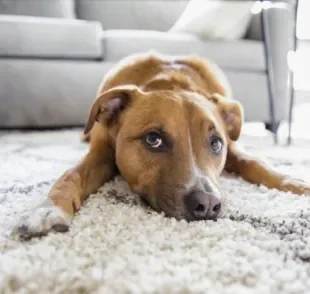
(36, 37)
(238, 54)
(38, 93)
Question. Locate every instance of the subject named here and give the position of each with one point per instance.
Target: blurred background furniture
(53, 55)
(291, 87)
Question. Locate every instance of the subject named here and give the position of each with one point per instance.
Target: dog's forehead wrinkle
(159, 113)
(203, 112)
(198, 100)
(171, 108)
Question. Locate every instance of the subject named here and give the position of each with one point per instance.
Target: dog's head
(170, 146)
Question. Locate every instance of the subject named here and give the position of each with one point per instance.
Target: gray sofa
(53, 55)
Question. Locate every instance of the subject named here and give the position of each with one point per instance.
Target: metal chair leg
(290, 115)
(292, 94)
(269, 72)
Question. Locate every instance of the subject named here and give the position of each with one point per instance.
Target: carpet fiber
(118, 245)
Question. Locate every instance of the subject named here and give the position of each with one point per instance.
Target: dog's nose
(202, 205)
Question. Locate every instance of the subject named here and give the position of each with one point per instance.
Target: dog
(169, 126)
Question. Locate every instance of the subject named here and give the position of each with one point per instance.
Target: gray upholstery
(57, 93)
(43, 8)
(280, 18)
(275, 20)
(247, 54)
(50, 68)
(250, 89)
(47, 37)
(47, 93)
(157, 15)
(281, 29)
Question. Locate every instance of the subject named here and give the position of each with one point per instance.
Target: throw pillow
(215, 19)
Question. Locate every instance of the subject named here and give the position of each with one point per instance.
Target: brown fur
(186, 98)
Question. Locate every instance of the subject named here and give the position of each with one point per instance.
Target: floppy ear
(108, 106)
(232, 114)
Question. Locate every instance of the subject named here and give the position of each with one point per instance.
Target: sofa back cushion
(43, 8)
(157, 15)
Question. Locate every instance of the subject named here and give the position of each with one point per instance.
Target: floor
(300, 127)
(117, 244)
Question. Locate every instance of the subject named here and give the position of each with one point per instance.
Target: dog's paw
(41, 221)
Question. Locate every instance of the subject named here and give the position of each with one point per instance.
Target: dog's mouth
(157, 204)
(150, 202)
(171, 209)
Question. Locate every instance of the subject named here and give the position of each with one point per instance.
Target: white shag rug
(118, 245)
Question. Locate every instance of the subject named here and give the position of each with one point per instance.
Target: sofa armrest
(39, 37)
(280, 33)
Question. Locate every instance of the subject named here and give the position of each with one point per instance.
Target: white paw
(41, 221)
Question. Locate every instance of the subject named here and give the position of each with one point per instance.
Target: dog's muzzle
(202, 206)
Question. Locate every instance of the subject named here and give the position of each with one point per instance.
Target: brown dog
(168, 127)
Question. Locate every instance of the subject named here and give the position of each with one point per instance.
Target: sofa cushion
(44, 8)
(238, 54)
(55, 93)
(200, 16)
(157, 15)
(47, 93)
(26, 36)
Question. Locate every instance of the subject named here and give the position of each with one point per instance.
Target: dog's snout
(202, 205)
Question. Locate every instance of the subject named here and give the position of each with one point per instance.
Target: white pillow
(215, 19)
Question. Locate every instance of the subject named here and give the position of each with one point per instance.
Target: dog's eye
(216, 144)
(154, 140)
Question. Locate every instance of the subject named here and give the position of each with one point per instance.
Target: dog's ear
(108, 106)
(232, 114)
